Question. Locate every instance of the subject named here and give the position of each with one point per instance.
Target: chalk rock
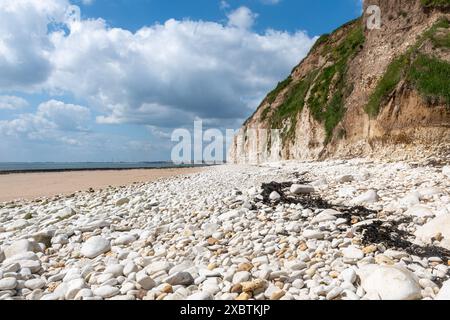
(8, 284)
(411, 199)
(241, 276)
(65, 213)
(353, 253)
(229, 215)
(420, 211)
(446, 171)
(313, 234)
(106, 291)
(17, 225)
(34, 284)
(200, 296)
(437, 226)
(389, 282)
(429, 192)
(95, 246)
(369, 197)
(324, 216)
(125, 240)
(274, 196)
(21, 247)
(444, 293)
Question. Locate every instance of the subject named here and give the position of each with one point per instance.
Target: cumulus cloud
(161, 76)
(12, 103)
(25, 47)
(174, 71)
(242, 17)
(52, 121)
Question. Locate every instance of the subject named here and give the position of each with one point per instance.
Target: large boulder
(389, 282)
(436, 228)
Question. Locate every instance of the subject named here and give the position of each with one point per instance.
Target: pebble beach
(336, 230)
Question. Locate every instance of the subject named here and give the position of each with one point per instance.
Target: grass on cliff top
(431, 77)
(436, 3)
(431, 85)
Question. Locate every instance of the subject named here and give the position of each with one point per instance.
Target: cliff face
(362, 92)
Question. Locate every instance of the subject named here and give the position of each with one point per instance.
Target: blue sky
(102, 80)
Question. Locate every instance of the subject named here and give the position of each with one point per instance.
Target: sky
(110, 80)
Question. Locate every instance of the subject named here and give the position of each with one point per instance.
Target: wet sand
(30, 186)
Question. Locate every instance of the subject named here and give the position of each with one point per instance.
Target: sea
(22, 167)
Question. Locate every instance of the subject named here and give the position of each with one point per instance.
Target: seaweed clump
(378, 232)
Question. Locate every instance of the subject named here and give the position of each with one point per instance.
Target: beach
(31, 186)
(333, 230)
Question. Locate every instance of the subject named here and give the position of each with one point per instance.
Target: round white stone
(200, 296)
(34, 284)
(8, 284)
(106, 291)
(274, 196)
(390, 282)
(370, 196)
(95, 246)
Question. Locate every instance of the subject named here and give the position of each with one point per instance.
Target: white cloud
(24, 45)
(172, 72)
(12, 103)
(242, 17)
(163, 75)
(52, 121)
(67, 117)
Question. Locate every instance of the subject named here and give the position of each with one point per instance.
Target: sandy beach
(31, 186)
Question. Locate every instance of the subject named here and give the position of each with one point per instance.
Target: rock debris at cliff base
(336, 230)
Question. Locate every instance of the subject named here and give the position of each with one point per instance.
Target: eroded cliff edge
(362, 92)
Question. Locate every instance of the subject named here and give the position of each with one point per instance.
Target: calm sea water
(78, 166)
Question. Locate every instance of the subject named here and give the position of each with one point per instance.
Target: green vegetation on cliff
(327, 95)
(280, 87)
(291, 106)
(387, 84)
(436, 3)
(427, 74)
(327, 87)
(431, 77)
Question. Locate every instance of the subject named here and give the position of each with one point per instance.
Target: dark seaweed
(392, 237)
(387, 233)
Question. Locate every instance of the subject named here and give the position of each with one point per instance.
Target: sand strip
(31, 186)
